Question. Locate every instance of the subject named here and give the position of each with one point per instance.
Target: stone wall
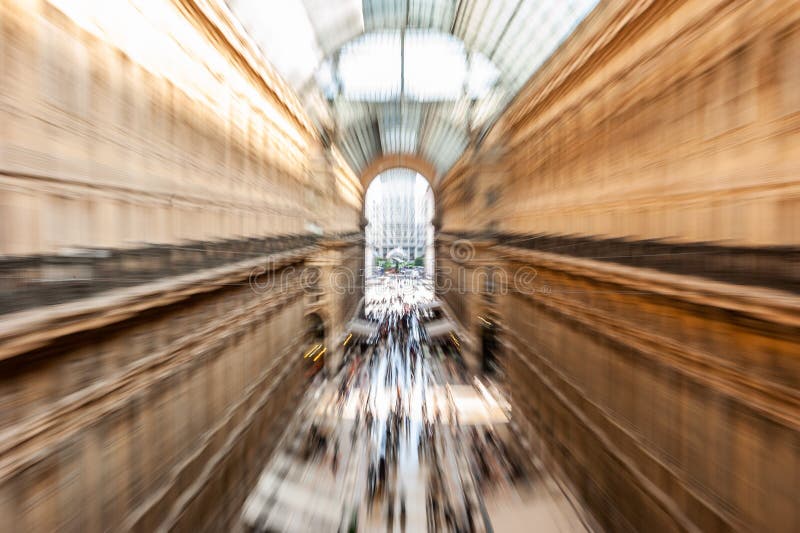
(148, 407)
(336, 290)
(163, 199)
(674, 120)
(127, 125)
(641, 196)
(625, 375)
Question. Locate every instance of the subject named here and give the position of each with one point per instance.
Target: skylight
(482, 75)
(370, 67)
(412, 76)
(437, 68)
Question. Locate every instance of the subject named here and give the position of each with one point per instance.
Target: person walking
(403, 512)
(390, 513)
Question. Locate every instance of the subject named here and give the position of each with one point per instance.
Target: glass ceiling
(422, 77)
(424, 66)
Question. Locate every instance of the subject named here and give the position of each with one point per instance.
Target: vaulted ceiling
(420, 77)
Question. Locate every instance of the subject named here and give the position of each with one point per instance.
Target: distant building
(399, 208)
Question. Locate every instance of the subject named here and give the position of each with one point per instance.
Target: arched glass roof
(421, 77)
(417, 65)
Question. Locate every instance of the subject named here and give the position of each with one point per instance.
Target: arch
(385, 162)
(419, 238)
(315, 328)
(414, 162)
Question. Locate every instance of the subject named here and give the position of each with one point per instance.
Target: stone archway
(388, 161)
(411, 213)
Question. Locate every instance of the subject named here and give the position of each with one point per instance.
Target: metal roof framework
(382, 76)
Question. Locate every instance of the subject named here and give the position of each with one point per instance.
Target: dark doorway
(489, 350)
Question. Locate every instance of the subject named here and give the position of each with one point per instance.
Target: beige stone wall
(666, 401)
(673, 120)
(470, 280)
(663, 402)
(129, 123)
(335, 291)
(156, 410)
(334, 196)
(150, 123)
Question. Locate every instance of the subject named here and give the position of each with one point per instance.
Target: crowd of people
(387, 429)
(400, 349)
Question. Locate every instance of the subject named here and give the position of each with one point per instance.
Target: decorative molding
(35, 328)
